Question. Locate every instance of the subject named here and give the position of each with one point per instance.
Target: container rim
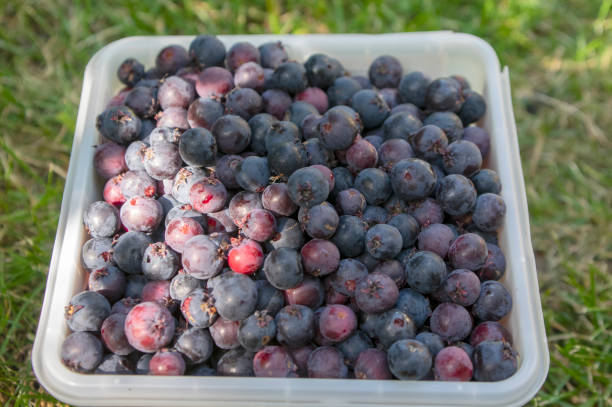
(68, 386)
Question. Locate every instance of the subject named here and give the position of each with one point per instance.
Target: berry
(295, 325)
(462, 157)
(214, 83)
(182, 285)
(322, 70)
(288, 234)
(337, 322)
(377, 292)
(451, 321)
(444, 94)
(385, 72)
(394, 150)
(179, 231)
(371, 107)
(436, 238)
(283, 268)
(372, 364)
(272, 54)
(383, 241)
(494, 361)
(241, 53)
(252, 173)
(413, 88)
(119, 124)
(480, 137)
(86, 311)
(198, 308)
(197, 147)
(130, 72)
(449, 122)
(425, 272)
(81, 352)
(206, 51)
(232, 133)
(256, 331)
(112, 332)
(456, 195)
(96, 253)
(115, 364)
(101, 219)
(495, 264)
(473, 108)
(291, 77)
(493, 303)
(245, 258)
(307, 187)
(236, 362)
(207, 195)
(225, 333)
(453, 364)
(434, 342)
(171, 58)
(128, 251)
(175, 92)
(243, 102)
(348, 276)
(309, 292)
(141, 214)
(108, 281)
(320, 257)
(338, 127)
(109, 160)
(167, 363)
(195, 344)
(274, 361)
(202, 257)
(361, 155)
(259, 225)
(276, 102)
(415, 305)
(490, 331)
(489, 212)
(409, 359)
(374, 184)
(394, 325)
(137, 183)
(204, 112)
(326, 362)
(413, 179)
(468, 251)
(316, 97)
(149, 327)
(486, 181)
(235, 296)
(350, 236)
(400, 125)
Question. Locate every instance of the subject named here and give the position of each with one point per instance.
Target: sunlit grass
(559, 53)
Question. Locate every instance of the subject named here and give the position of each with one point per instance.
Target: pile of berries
(264, 217)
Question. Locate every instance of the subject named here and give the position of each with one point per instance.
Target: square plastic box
(436, 54)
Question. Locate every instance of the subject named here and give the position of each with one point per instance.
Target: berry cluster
(264, 217)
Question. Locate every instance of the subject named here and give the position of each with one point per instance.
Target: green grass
(560, 57)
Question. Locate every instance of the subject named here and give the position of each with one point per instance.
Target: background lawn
(560, 56)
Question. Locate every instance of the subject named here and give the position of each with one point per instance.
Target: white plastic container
(437, 54)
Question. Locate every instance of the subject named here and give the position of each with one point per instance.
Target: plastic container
(437, 54)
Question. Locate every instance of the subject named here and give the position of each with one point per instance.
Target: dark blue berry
(413, 88)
